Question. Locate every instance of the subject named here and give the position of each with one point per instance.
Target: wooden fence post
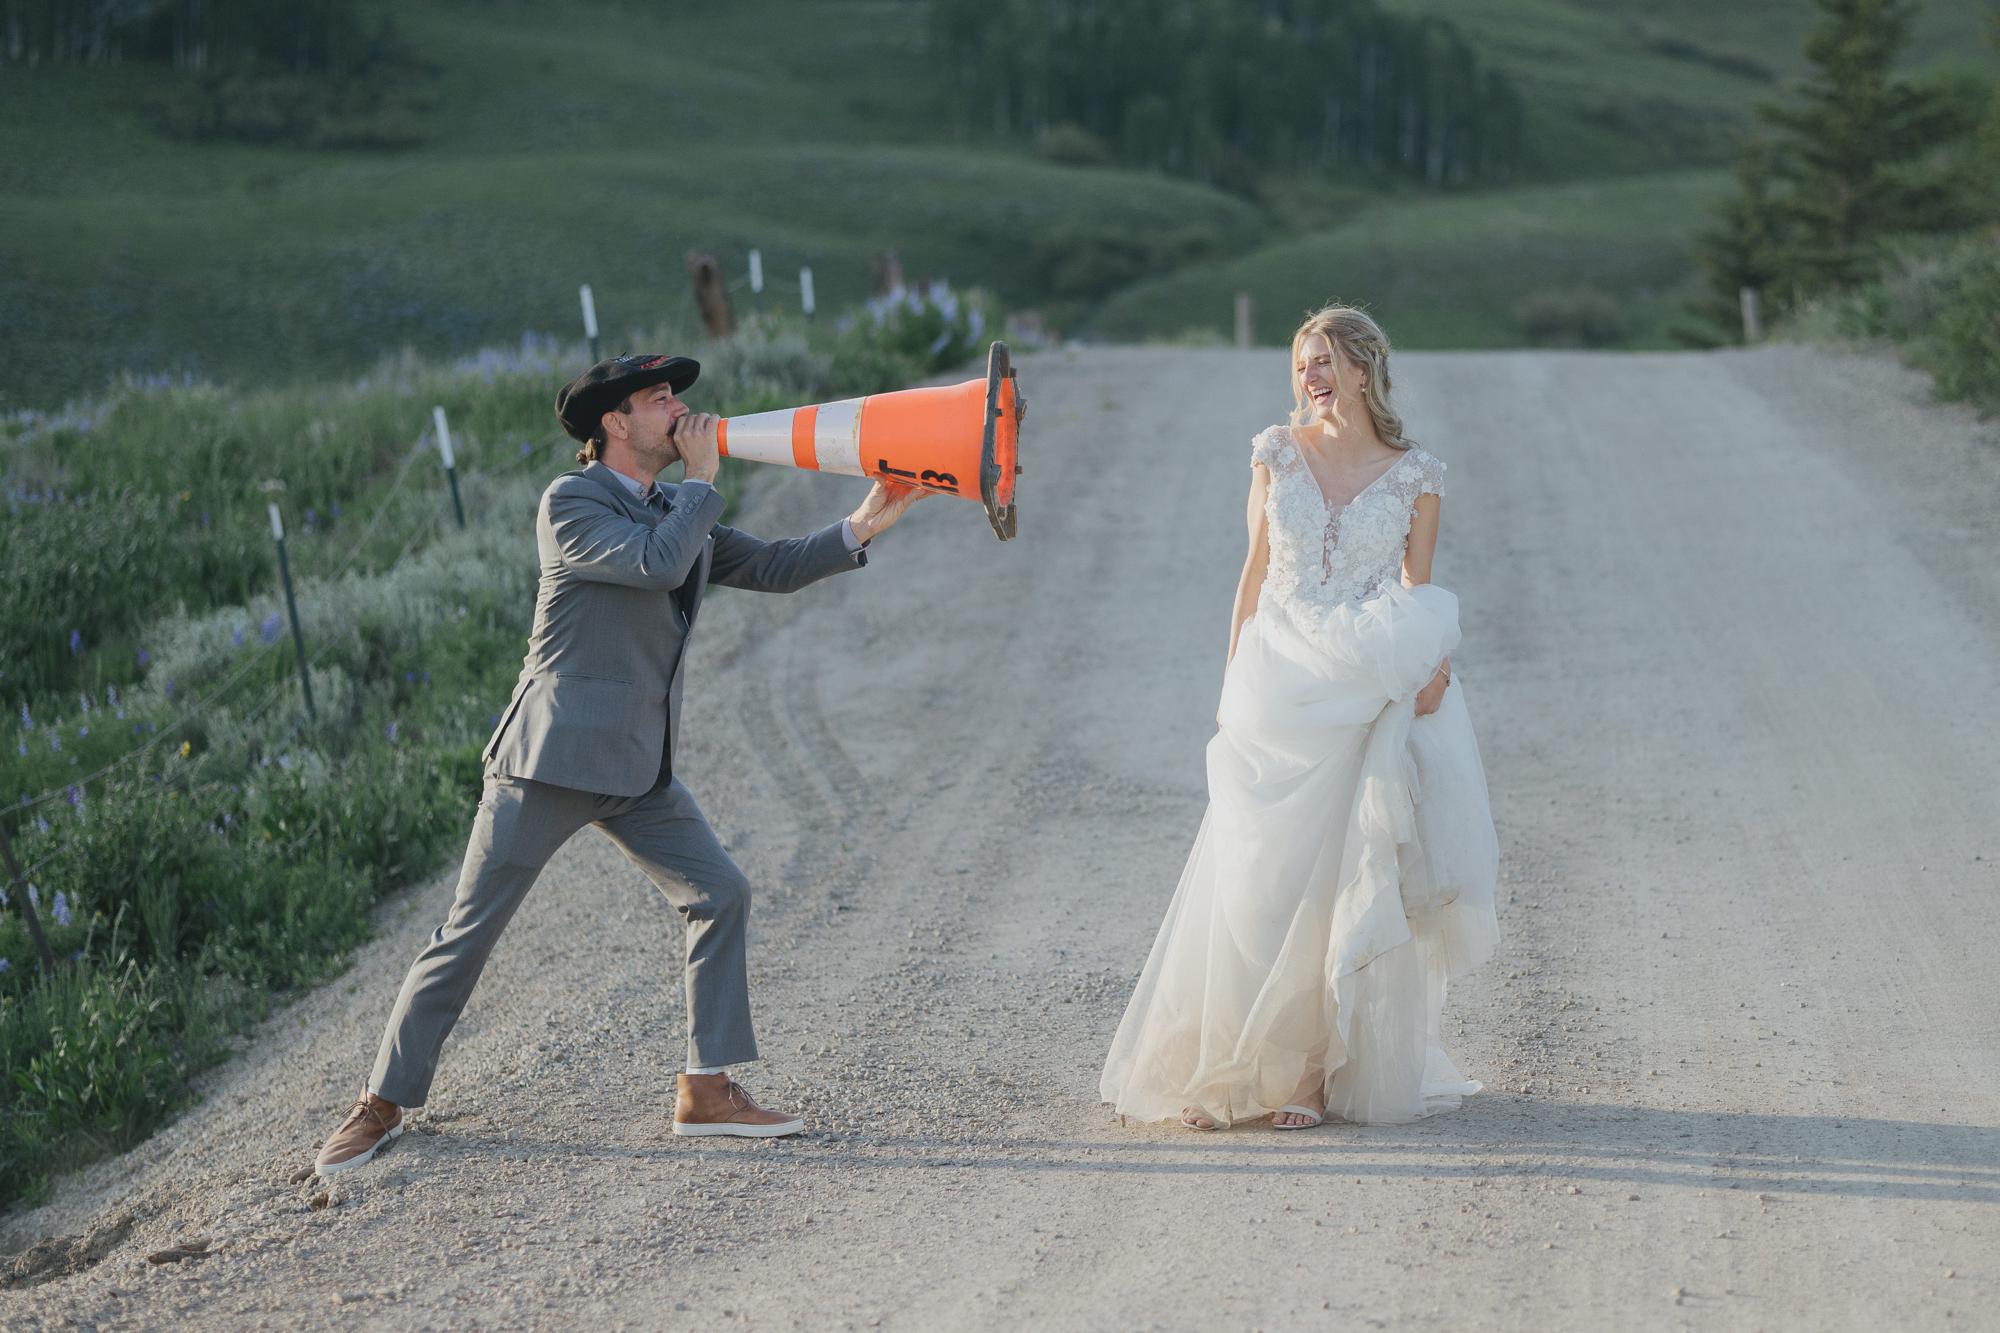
(28, 912)
(711, 294)
(888, 273)
(1753, 324)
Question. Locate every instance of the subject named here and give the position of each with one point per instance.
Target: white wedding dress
(1345, 869)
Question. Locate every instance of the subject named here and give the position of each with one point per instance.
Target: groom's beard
(662, 455)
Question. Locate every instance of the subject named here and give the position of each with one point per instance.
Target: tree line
(1228, 90)
(310, 73)
(298, 37)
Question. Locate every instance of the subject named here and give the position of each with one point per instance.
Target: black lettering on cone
(934, 480)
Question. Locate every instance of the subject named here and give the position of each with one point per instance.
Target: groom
(588, 737)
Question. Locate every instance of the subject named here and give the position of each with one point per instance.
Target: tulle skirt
(1342, 876)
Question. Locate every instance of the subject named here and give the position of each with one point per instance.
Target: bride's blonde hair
(1351, 332)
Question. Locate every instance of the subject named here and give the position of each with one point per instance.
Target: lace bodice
(1321, 554)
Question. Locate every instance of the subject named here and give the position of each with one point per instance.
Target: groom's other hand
(886, 502)
(694, 437)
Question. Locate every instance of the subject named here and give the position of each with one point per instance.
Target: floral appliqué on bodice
(1324, 554)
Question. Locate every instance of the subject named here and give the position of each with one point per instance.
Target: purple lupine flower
(75, 642)
(27, 721)
(111, 695)
(527, 447)
(236, 636)
(269, 629)
(145, 658)
(55, 742)
(81, 732)
(170, 687)
(409, 677)
(41, 825)
(61, 908)
(394, 727)
(21, 748)
(285, 762)
(6, 966)
(333, 510)
(312, 520)
(75, 795)
(138, 728)
(84, 701)
(204, 518)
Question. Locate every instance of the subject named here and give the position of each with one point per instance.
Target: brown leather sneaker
(717, 1104)
(371, 1122)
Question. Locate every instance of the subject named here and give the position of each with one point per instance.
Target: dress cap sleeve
(1431, 477)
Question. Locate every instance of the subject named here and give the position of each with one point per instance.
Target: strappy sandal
(1315, 1118)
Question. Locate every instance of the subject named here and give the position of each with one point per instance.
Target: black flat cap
(585, 399)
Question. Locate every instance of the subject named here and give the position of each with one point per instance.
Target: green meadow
(1466, 271)
(572, 142)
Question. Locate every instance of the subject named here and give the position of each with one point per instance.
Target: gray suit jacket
(598, 703)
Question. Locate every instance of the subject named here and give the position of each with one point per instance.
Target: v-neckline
(1320, 490)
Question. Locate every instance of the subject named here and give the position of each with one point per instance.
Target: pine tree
(1853, 146)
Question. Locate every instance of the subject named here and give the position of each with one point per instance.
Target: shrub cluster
(1939, 302)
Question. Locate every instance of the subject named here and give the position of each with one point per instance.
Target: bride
(1344, 871)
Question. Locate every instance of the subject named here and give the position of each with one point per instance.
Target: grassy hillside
(572, 144)
(1618, 86)
(574, 141)
(1456, 272)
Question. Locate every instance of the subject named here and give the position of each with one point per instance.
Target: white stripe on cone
(766, 437)
(837, 437)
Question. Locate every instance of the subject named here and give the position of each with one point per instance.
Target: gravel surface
(1731, 631)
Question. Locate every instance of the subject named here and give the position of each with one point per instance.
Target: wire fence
(73, 791)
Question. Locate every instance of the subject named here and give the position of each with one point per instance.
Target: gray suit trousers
(521, 824)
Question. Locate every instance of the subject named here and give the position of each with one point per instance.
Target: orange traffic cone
(958, 439)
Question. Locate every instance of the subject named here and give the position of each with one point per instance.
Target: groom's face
(655, 412)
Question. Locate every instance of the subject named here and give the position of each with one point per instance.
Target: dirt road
(1731, 630)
